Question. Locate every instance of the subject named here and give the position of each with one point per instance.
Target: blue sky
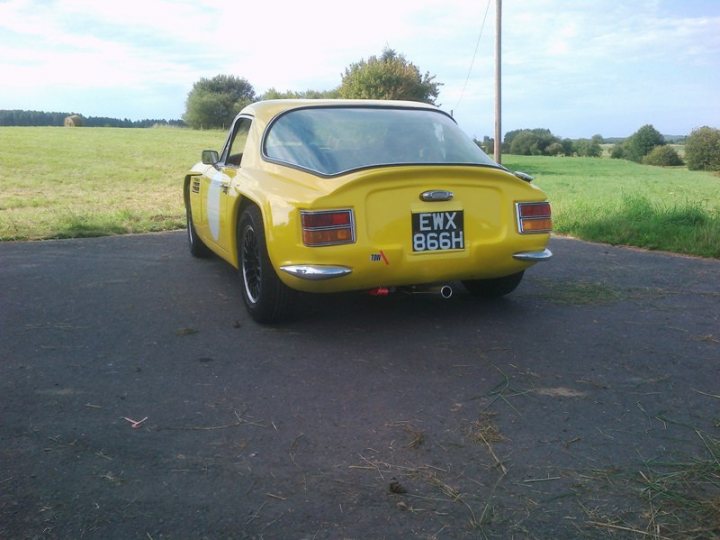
(577, 67)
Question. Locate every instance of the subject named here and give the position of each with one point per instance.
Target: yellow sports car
(341, 195)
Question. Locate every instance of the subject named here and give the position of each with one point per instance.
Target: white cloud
(567, 65)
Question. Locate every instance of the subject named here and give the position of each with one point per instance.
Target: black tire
(197, 247)
(493, 288)
(267, 299)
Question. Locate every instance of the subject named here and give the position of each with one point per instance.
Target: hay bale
(74, 120)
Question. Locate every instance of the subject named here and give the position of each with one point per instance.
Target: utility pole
(498, 100)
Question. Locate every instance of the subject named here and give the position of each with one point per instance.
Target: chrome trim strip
(533, 256)
(318, 272)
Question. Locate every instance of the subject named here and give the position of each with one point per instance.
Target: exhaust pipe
(445, 291)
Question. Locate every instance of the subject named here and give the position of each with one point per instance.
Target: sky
(576, 67)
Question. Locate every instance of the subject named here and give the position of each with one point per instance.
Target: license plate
(438, 231)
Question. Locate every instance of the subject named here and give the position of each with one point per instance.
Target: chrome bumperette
(316, 272)
(533, 256)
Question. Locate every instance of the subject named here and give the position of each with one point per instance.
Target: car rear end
(400, 197)
(417, 225)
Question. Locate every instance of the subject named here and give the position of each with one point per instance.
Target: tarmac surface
(139, 401)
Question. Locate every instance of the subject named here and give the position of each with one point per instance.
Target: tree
(213, 103)
(663, 156)
(588, 148)
(639, 144)
(555, 149)
(702, 149)
(390, 76)
(272, 93)
(509, 138)
(526, 142)
(568, 147)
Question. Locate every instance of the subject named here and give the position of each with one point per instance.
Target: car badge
(379, 257)
(436, 195)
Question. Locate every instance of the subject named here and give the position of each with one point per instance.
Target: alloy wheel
(252, 273)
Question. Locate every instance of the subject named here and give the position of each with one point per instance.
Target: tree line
(541, 142)
(647, 145)
(17, 117)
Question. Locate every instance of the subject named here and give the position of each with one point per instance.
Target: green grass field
(620, 202)
(70, 182)
(63, 182)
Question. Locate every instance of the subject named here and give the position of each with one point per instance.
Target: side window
(234, 152)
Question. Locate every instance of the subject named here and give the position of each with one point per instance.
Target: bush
(618, 151)
(663, 156)
(702, 150)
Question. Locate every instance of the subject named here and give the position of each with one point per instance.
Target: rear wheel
(197, 246)
(493, 288)
(266, 297)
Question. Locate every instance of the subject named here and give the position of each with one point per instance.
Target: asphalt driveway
(137, 400)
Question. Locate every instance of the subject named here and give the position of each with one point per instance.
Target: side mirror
(524, 176)
(210, 157)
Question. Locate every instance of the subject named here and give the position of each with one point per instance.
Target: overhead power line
(472, 62)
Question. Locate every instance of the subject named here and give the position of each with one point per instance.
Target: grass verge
(624, 203)
(681, 227)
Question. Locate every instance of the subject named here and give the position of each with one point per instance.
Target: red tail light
(328, 227)
(535, 217)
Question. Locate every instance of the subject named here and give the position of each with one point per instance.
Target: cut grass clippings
(678, 499)
(683, 499)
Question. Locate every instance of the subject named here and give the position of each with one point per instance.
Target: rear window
(333, 140)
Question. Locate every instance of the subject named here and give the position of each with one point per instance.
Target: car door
(217, 200)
